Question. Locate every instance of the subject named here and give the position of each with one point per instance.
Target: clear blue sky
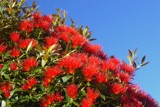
(120, 25)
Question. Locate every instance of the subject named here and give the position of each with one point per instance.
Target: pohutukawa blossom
(51, 98)
(28, 63)
(72, 90)
(89, 71)
(127, 68)
(23, 43)
(50, 41)
(30, 83)
(26, 25)
(92, 48)
(101, 78)
(2, 48)
(1, 66)
(125, 77)
(5, 87)
(14, 36)
(92, 94)
(78, 40)
(117, 88)
(112, 64)
(13, 66)
(15, 52)
(71, 63)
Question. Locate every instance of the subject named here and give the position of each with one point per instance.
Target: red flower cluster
(72, 90)
(71, 63)
(30, 83)
(117, 88)
(91, 48)
(26, 25)
(91, 97)
(23, 43)
(5, 87)
(50, 99)
(43, 22)
(15, 52)
(70, 34)
(28, 63)
(14, 36)
(50, 41)
(50, 73)
(13, 66)
(2, 48)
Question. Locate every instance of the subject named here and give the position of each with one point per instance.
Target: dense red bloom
(1, 66)
(112, 64)
(30, 83)
(43, 22)
(26, 25)
(23, 43)
(86, 103)
(117, 88)
(92, 94)
(2, 48)
(13, 66)
(15, 52)
(50, 73)
(78, 40)
(91, 48)
(50, 41)
(28, 63)
(71, 63)
(125, 77)
(101, 78)
(50, 98)
(5, 88)
(58, 97)
(127, 68)
(89, 71)
(14, 36)
(72, 90)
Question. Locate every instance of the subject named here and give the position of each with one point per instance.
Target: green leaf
(66, 78)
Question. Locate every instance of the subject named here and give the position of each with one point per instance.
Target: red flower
(5, 88)
(50, 41)
(14, 36)
(2, 48)
(127, 68)
(50, 73)
(71, 63)
(58, 97)
(1, 66)
(30, 83)
(112, 64)
(26, 25)
(78, 40)
(92, 94)
(117, 88)
(24, 43)
(72, 90)
(125, 77)
(28, 63)
(91, 48)
(86, 103)
(15, 52)
(89, 71)
(101, 78)
(13, 66)
(50, 98)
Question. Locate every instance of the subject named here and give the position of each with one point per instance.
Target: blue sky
(120, 25)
